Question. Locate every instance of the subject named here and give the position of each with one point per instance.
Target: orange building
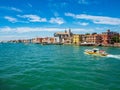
(92, 38)
(107, 37)
(49, 40)
(37, 40)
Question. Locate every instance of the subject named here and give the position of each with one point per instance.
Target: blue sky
(39, 18)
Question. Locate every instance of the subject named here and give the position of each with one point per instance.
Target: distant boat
(96, 52)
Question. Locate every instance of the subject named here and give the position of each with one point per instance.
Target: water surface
(57, 67)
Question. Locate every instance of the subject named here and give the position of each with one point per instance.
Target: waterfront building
(77, 39)
(64, 37)
(93, 39)
(26, 40)
(37, 40)
(84, 38)
(44, 40)
(107, 37)
(49, 40)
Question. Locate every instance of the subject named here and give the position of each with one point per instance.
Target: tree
(87, 34)
(115, 39)
(94, 33)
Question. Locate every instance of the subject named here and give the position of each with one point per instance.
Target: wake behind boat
(96, 52)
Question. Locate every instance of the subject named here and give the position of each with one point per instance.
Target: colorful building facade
(49, 40)
(92, 39)
(64, 37)
(107, 37)
(77, 39)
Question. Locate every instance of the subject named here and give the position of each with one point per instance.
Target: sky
(21, 19)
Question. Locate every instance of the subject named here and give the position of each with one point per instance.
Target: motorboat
(96, 52)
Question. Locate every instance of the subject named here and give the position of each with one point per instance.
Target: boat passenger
(94, 51)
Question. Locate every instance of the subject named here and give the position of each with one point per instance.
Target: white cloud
(83, 2)
(70, 14)
(57, 20)
(13, 37)
(96, 19)
(11, 19)
(11, 9)
(30, 5)
(33, 18)
(38, 29)
(15, 9)
(29, 32)
(83, 23)
(56, 14)
(6, 29)
(28, 29)
(63, 4)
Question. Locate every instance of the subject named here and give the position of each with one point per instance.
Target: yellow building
(76, 39)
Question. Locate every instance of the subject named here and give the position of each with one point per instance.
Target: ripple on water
(36, 67)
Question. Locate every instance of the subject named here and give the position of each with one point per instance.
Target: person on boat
(94, 51)
(102, 52)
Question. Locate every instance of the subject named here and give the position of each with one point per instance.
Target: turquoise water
(57, 67)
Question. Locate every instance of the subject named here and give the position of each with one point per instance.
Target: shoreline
(109, 45)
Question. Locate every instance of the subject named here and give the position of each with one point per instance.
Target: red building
(107, 37)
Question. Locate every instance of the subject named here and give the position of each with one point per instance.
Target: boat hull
(96, 54)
